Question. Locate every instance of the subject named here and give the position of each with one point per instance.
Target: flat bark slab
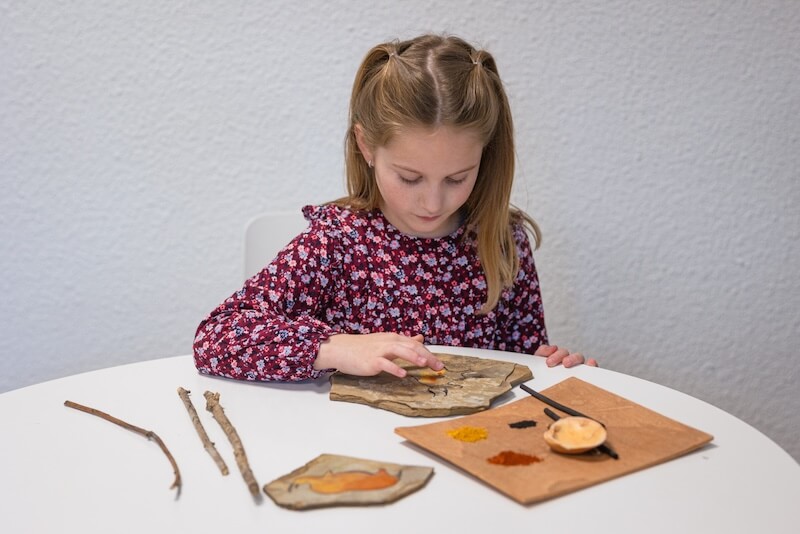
(333, 480)
(466, 385)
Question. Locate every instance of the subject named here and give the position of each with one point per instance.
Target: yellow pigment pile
(468, 433)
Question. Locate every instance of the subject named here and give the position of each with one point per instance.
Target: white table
(66, 471)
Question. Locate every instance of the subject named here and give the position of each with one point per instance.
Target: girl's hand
(370, 354)
(564, 357)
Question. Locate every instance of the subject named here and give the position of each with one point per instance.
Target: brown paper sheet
(640, 436)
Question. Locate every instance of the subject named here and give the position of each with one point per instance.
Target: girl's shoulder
(333, 214)
(333, 219)
(520, 231)
(525, 230)
(325, 213)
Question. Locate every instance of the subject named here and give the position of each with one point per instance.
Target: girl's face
(424, 176)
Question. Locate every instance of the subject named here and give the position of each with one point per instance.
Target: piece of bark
(208, 445)
(333, 480)
(467, 385)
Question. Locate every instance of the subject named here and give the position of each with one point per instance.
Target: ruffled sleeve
(271, 329)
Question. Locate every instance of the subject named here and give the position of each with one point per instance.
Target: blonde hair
(434, 81)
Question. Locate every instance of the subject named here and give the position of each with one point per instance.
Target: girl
(424, 248)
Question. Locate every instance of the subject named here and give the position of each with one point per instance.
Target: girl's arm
(272, 328)
(521, 326)
(523, 314)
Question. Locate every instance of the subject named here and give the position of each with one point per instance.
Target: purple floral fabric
(353, 272)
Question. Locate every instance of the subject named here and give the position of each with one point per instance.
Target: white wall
(659, 148)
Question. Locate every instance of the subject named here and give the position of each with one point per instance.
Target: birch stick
(208, 445)
(149, 434)
(213, 406)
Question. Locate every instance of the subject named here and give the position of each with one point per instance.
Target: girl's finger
(545, 350)
(557, 357)
(415, 355)
(573, 359)
(429, 359)
(393, 369)
(433, 362)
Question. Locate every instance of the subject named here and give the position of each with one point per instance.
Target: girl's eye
(456, 181)
(412, 180)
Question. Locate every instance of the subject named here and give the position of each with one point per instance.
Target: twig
(149, 434)
(213, 406)
(208, 445)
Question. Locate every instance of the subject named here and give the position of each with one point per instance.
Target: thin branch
(213, 406)
(149, 434)
(198, 426)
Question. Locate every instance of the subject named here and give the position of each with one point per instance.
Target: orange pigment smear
(348, 481)
(513, 458)
(430, 377)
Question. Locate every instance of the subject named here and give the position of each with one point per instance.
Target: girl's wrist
(327, 355)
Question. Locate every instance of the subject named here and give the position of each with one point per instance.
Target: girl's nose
(432, 200)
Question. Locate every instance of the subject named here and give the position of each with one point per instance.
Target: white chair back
(266, 235)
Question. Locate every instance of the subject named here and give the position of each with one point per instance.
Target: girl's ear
(363, 147)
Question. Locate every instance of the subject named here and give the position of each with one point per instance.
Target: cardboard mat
(504, 448)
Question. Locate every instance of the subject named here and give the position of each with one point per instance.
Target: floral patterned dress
(353, 272)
